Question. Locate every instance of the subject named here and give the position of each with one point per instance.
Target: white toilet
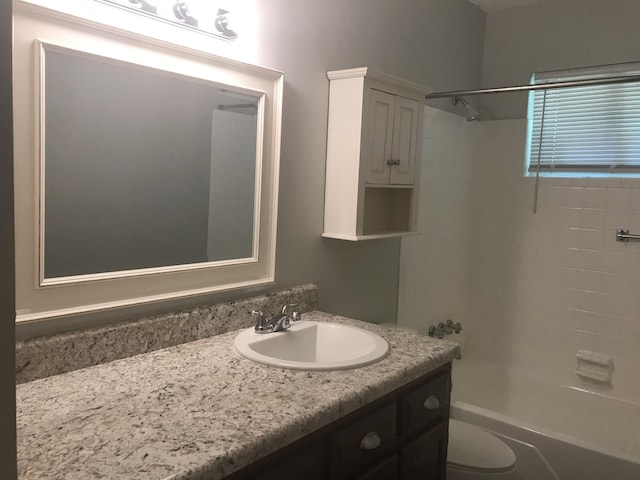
(475, 454)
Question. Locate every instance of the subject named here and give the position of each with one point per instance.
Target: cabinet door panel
(387, 470)
(306, 463)
(360, 443)
(426, 457)
(405, 141)
(426, 405)
(378, 137)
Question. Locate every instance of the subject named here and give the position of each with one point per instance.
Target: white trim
(139, 272)
(39, 298)
(357, 238)
(41, 48)
(72, 311)
(370, 74)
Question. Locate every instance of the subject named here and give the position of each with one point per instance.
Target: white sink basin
(313, 346)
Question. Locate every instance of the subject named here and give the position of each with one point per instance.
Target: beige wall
(554, 36)
(7, 302)
(433, 42)
(436, 43)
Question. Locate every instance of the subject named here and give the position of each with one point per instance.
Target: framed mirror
(153, 169)
(142, 169)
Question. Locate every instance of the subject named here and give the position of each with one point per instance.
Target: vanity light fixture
(203, 15)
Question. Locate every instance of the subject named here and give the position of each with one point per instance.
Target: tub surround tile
(53, 355)
(197, 410)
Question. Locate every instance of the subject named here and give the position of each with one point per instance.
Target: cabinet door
(426, 405)
(306, 463)
(378, 137)
(387, 470)
(426, 457)
(360, 444)
(405, 141)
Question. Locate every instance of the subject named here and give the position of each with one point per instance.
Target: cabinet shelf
(371, 236)
(382, 185)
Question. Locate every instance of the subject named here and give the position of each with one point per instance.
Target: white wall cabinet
(373, 151)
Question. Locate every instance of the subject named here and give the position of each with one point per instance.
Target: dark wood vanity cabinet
(402, 436)
(426, 457)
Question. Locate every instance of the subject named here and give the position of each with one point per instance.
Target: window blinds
(586, 128)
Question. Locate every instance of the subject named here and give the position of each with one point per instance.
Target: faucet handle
(289, 305)
(262, 326)
(295, 316)
(259, 314)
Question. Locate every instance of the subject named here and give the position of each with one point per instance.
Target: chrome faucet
(444, 329)
(279, 322)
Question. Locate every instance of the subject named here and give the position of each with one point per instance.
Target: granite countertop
(197, 410)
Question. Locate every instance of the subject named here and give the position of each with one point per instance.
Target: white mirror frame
(36, 29)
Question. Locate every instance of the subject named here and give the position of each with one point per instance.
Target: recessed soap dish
(594, 366)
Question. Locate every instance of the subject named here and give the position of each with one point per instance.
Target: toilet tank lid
(471, 447)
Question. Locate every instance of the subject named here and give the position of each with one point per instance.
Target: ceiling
(490, 6)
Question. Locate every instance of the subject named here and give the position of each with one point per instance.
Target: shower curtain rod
(542, 86)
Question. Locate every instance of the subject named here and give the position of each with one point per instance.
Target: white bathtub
(557, 432)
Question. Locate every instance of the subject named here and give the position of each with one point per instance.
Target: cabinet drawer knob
(370, 441)
(431, 403)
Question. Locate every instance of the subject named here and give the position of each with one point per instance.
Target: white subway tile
(574, 197)
(572, 216)
(593, 322)
(614, 262)
(635, 199)
(584, 340)
(634, 221)
(593, 218)
(580, 259)
(630, 182)
(604, 182)
(534, 288)
(551, 181)
(591, 239)
(595, 197)
(616, 219)
(619, 198)
(550, 196)
(570, 237)
(622, 284)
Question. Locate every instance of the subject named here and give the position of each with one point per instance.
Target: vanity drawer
(360, 443)
(426, 405)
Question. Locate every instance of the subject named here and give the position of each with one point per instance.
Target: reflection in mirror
(144, 168)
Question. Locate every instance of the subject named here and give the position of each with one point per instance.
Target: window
(586, 130)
